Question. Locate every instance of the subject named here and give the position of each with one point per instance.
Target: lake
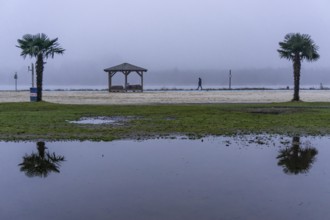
(248, 177)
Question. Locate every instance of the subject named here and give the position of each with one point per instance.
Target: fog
(176, 40)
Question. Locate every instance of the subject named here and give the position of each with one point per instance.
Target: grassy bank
(32, 121)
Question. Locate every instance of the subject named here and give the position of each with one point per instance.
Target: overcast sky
(159, 34)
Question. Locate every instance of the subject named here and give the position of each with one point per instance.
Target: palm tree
(41, 47)
(298, 47)
(41, 163)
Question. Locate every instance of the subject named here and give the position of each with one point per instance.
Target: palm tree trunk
(296, 76)
(39, 71)
(296, 141)
(41, 149)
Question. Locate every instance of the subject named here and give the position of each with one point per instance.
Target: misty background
(176, 40)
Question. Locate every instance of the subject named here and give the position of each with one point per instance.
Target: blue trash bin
(33, 94)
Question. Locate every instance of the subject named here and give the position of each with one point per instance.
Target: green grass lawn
(33, 121)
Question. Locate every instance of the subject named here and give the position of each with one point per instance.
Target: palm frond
(296, 44)
(34, 45)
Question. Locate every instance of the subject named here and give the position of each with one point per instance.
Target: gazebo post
(110, 81)
(126, 74)
(141, 75)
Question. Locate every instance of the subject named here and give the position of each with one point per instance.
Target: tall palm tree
(298, 47)
(41, 47)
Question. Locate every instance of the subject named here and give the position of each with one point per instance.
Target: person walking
(199, 84)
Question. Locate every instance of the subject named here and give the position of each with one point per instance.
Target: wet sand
(168, 97)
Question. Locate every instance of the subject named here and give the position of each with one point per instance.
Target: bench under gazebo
(126, 69)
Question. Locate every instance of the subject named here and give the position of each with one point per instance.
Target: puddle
(213, 178)
(115, 120)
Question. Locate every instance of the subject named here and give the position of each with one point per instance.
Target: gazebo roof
(125, 67)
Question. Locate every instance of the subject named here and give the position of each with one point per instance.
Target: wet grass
(47, 121)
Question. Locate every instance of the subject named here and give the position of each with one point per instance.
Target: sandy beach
(168, 97)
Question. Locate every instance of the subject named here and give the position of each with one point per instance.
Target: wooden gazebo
(126, 69)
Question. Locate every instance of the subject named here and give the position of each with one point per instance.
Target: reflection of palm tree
(295, 159)
(41, 163)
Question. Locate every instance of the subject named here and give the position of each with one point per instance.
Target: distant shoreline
(174, 89)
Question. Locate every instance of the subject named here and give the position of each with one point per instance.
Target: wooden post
(32, 70)
(110, 81)
(141, 81)
(15, 77)
(126, 74)
(229, 79)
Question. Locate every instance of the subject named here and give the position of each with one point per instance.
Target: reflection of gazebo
(126, 69)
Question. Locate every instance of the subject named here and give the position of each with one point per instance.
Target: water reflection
(41, 164)
(298, 158)
(173, 178)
